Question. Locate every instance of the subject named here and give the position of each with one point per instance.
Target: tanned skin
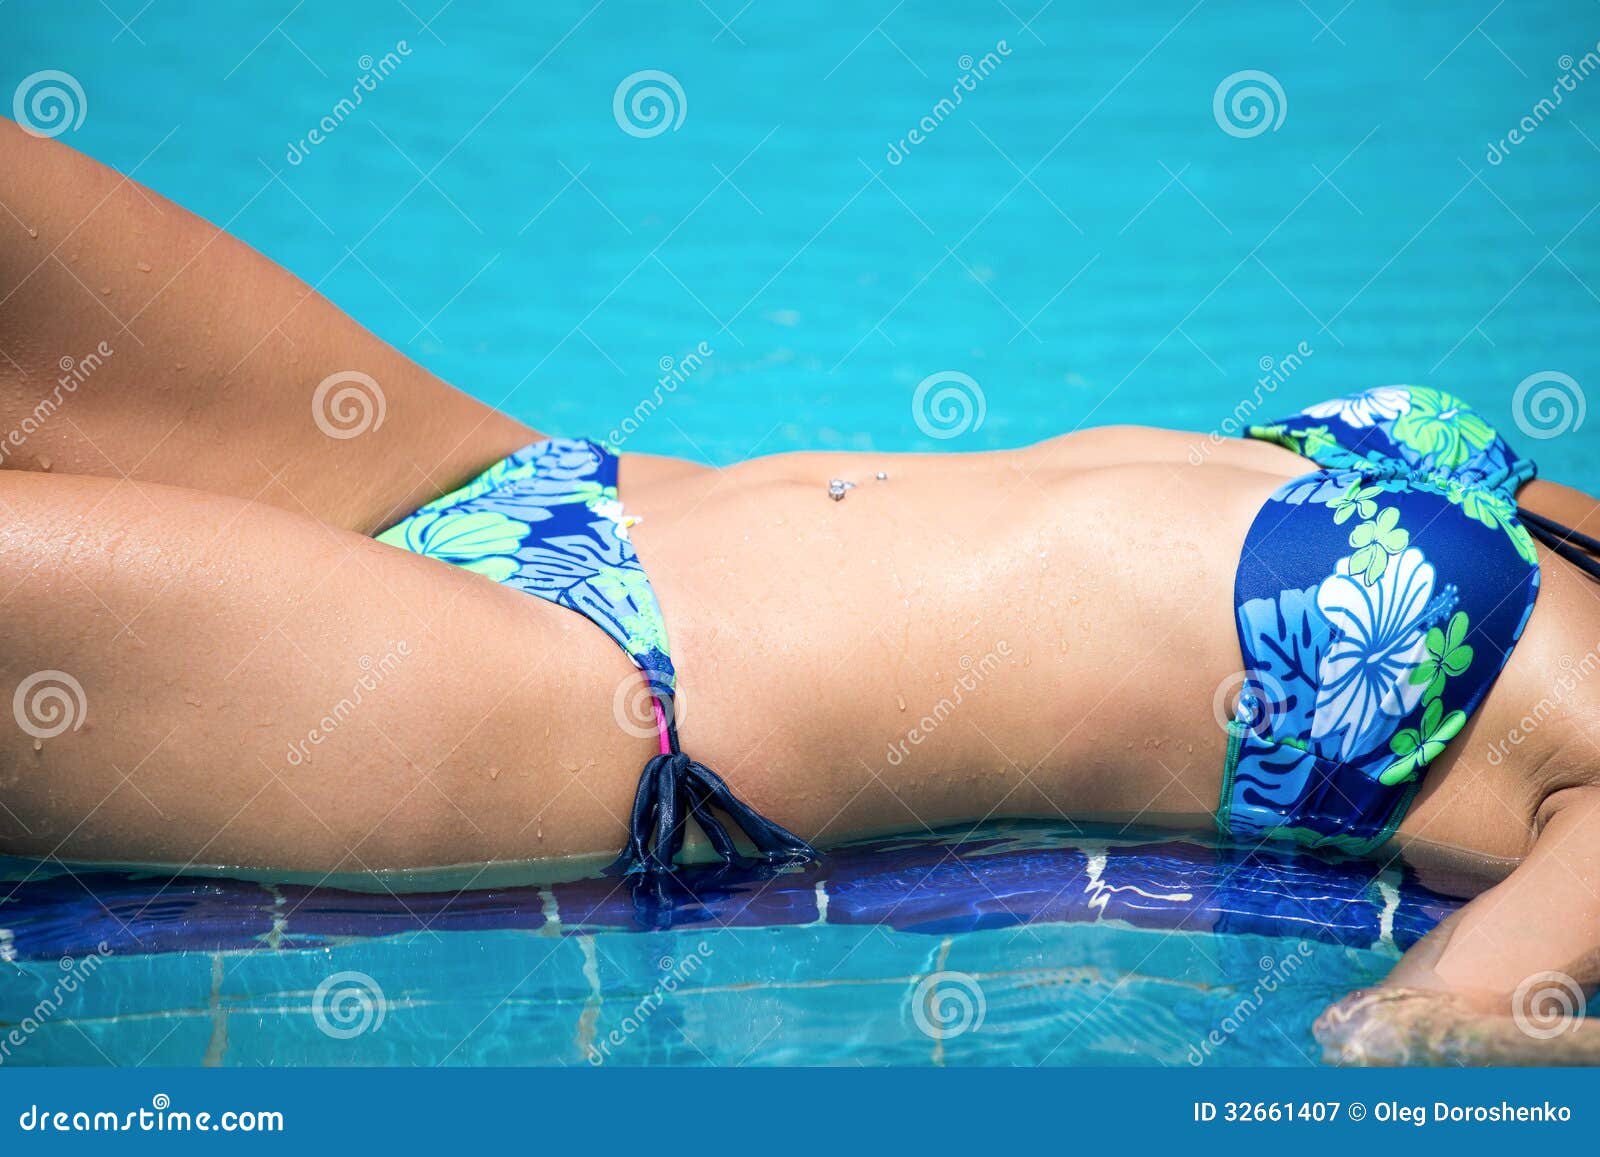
(182, 538)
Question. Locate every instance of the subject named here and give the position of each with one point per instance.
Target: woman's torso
(1045, 632)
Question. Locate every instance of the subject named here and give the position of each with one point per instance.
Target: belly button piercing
(837, 488)
(882, 476)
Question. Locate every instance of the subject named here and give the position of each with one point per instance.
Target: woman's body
(183, 541)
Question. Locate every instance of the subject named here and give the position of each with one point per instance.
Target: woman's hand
(1504, 980)
(1397, 1026)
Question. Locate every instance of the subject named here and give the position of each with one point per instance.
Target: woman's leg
(196, 679)
(138, 340)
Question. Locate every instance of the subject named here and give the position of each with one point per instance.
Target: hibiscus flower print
(1494, 510)
(1374, 541)
(481, 542)
(1449, 656)
(1378, 639)
(1441, 427)
(1356, 499)
(1312, 442)
(610, 509)
(1364, 409)
(502, 472)
(1417, 747)
(562, 460)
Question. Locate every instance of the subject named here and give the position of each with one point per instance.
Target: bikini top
(547, 521)
(1377, 600)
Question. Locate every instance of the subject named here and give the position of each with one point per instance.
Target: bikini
(1377, 599)
(546, 520)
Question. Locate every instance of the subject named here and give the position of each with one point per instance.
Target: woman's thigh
(137, 340)
(199, 680)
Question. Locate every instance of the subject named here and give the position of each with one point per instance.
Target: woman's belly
(970, 636)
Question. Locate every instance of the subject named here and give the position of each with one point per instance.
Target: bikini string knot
(672, 789)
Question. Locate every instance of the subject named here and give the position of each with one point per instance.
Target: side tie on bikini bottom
(673, 787)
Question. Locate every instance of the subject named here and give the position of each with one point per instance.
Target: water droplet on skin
(494, 773)
(144, 267)
(34, 233)
(178, 367)
(38, 745)
(44, 464)
(900, 701)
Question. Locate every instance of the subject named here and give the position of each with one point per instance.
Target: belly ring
(838, 487)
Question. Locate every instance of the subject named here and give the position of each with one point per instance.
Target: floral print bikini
(1377, 599)
(547, 521)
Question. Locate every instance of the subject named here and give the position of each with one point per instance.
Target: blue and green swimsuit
(1377, 599)
(547, 521)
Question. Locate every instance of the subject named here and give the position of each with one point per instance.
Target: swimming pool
(1012, 943)
(1088, 236)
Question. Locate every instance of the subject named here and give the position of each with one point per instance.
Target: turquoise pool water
(1081, 236)
(1013, 943)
